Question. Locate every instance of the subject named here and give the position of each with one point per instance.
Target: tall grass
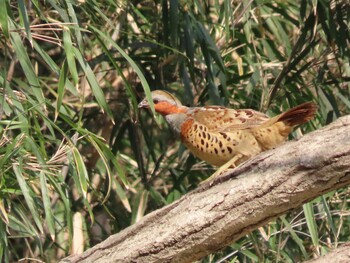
(79, 162)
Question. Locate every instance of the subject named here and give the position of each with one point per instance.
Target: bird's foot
(222, 169)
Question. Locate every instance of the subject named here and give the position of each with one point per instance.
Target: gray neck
(175, 121)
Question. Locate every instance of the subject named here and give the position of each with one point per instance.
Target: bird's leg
(224, 167)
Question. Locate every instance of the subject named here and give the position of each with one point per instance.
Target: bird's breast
(215, 148)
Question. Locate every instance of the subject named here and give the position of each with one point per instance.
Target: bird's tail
(299, 114)
(293, 117)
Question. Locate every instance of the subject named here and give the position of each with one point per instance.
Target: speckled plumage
(217, 134)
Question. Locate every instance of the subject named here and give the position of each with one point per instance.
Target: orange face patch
(165, 108)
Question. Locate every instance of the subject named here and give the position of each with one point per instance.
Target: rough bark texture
(216, 214)
(338, 255)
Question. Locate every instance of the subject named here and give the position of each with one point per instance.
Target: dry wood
(338, 255)
(244, 199)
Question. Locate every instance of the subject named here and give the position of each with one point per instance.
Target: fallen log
(220, 212)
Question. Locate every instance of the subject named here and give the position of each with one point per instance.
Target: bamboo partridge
(219, 135)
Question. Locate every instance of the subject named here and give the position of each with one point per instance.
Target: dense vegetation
(79, 162)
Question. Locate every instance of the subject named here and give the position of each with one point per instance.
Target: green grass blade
(47, 205)
(96, 89)
(68, 48)
(61, 87)
(82, 173)
(20, 222)
(139, 73)
(27, 67)
(329, 216)
(103, 148)
(128, 87)
(28, 195)
(295, 237)
(140, 205)
(24, 16)
(11, 150)
(46, 58)
(3, 18)
(211, 46)
(227, 15)
(74, 19)
(311, 223)
(122, 195)
(62, 12)
(4, 249)
(62, 190)
(105, 162)
(253, 257)
(174, 22)
(344, 99)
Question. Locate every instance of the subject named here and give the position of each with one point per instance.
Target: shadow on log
(216, 214)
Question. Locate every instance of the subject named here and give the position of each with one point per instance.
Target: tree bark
(338, 255)
(218, 213)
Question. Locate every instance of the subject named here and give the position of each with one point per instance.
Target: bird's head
(164, 103)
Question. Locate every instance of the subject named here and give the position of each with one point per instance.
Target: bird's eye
(155, 101)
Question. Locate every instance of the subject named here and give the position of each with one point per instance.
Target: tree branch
(216, 214)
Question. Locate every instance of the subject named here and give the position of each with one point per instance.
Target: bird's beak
(143, 104)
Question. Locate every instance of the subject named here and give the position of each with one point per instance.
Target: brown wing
(221, 119)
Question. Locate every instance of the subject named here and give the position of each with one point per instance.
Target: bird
(223, 136)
